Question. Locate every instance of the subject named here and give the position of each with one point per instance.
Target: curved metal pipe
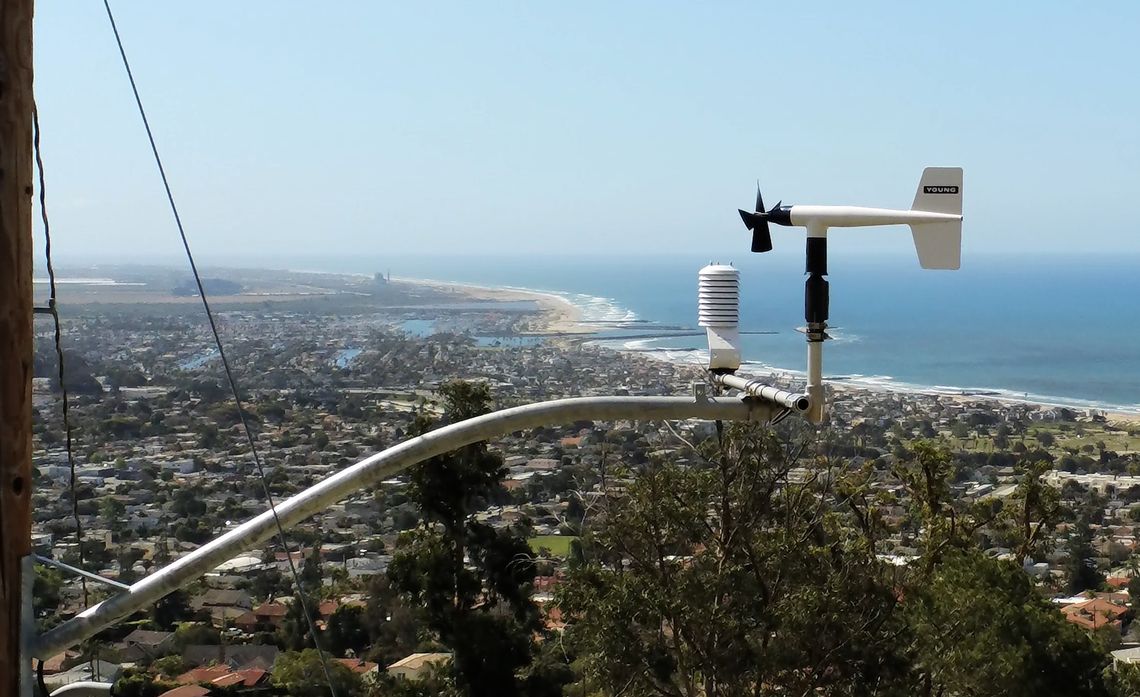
(374, 469)
(84, 688)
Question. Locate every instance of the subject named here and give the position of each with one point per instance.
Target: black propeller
(757, 222)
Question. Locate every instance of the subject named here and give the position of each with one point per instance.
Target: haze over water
(1050, 328)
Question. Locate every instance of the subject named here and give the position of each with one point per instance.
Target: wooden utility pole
(15, 326)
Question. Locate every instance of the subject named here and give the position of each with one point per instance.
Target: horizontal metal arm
(375, 469)
(755, 388)
(80, 572)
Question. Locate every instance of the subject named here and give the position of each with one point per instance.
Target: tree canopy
(756, 572)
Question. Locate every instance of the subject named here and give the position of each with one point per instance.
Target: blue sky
(422, 127)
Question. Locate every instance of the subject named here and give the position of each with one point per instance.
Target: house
(237, 657)
(223, 676)
(552, 618)
(247, 622)
(270, 615)
(543, 464)
(326, 608)
(1095, 613)
(182, 466)
(545, 584)
(250, 677)
(414, 666)
(61, 662)
(142, 644)
(226, 616)
(187, 691)
(205, 674)
(1131, 655)
(216, 597)
(367, 566)
(365, 669)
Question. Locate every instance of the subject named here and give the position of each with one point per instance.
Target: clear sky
(337, 128)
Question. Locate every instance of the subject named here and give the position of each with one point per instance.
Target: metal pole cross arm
(376, 468)
(789, 400)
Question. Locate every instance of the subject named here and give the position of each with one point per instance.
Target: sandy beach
(558, 315)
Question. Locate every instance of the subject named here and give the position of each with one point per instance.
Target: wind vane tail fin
(939, 191)
(939, 245)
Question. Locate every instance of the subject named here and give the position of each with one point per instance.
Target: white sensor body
(718, 311)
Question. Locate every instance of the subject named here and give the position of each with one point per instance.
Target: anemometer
(935, 220)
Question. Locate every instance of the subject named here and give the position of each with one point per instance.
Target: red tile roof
(187, 691)
(204, 674)
(271, 610)
(1094, 613)
(245, 678)
(357, 665)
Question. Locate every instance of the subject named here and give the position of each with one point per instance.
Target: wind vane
(935, 220)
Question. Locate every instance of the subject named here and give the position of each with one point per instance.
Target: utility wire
(53, 307)
(301, 594)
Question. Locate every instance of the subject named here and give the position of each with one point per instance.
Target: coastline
(557, 314)
(561, 316)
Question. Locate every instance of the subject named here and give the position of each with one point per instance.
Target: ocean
(1051, 329)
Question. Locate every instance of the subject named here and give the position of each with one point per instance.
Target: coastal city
(336, 368)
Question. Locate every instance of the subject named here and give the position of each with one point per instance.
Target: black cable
(42, 690)
(301, 597)
(54, 308)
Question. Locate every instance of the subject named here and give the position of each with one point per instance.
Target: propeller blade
(761, 238)
(777, 206)
(758, 224)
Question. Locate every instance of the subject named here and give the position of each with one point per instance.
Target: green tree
(312, 575)
(1001, 437)
(170, 666)
(481, 611)
(300, 674)
(1081, 570)
(135, 683)
(294, 632)
(346, 631)
(980, 628)
(188, 633)
(393, 624)
(1134, 595)
(735, 578)
(172, 609)
(721, 580)
(268, 583)
(113, 513)
(46, 592)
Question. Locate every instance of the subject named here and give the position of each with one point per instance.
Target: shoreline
(561, 316)
(557, 314)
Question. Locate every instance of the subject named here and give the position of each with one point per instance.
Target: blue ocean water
(1052, 329)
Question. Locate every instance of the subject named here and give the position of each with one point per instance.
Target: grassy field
(1081, 437)
(559, 545)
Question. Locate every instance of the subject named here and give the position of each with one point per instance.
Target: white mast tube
(815, 390)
